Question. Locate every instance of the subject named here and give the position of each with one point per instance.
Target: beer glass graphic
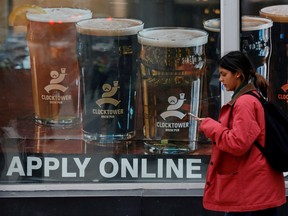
(212, 26)
(255, 40)
(107, 52)
(51, 39)
(278, 77)
(172, 65)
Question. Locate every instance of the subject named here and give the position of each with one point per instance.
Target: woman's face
(230, 81)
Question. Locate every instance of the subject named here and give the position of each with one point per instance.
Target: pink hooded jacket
(239, 178)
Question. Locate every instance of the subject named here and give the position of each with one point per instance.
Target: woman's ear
(238, 74)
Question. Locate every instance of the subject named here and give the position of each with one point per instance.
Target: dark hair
(237, 61)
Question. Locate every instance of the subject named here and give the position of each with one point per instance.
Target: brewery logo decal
(109, 92)
(57, 78)
(55, 84)
(284, 96)
(175, 104)
(172, 111)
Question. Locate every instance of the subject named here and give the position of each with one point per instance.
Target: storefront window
(58, 121)
(37, 147)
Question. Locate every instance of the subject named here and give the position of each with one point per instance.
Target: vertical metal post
(230, 34)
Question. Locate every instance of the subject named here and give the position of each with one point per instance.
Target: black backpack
(276, 142)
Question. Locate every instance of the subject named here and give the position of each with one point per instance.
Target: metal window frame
(230, 40)
(230, 34)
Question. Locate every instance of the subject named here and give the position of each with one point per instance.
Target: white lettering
(173, 125)
(114, 168)
(133, 170)
(178, 171)
(139, 168)
(109, 167)
(82, 166)
(144, 171)
(49, 165)
(160, 168)
(107, 112)
(33, 163)
(190, 168)
(15, 167)
(56, 97)
(65, 172)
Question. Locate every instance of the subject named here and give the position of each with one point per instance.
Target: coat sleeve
(244, 130)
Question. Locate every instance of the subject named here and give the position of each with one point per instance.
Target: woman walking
(239, 179)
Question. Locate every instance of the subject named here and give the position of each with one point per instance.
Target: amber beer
(278, 78)
(107, 52)
(51, 39)
(172, 64)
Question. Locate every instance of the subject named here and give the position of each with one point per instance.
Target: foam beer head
(249, 23)
(172, 37)
(212, 25)
(278, 13)
(60, 15)
(252, 23)
(109, 27)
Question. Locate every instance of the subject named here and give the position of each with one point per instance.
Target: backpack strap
(259, 97)
(262, 101)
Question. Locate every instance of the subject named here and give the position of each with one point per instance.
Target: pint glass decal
(51, 39)
(278, 77)
(172, 65)
(107, 53)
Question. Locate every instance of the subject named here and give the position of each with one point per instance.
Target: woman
(239, 179)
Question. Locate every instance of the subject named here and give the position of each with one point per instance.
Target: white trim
(230, 34)
(101, 186)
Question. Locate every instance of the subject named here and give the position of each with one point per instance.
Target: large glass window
(34, 149)
(34, 152)
(151, 138)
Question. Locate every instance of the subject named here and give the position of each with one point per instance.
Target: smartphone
(191, 114)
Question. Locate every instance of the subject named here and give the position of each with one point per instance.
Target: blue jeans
(265, 212)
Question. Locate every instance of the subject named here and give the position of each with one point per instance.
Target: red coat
(239, 178)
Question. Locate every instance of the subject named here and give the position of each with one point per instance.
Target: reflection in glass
(56, 141)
